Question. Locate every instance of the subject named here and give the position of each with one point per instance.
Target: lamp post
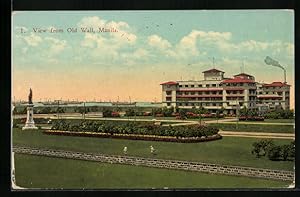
(57, 111)
(134, 111)
(83, 110)
(237, 112)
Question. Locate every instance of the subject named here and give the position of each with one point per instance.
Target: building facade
(218, 92)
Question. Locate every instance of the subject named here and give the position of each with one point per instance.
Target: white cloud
(107, 45)
(157, 42)
(56, 45)
(122, 36)
(290, 48)
(32, 39)
(93, 21)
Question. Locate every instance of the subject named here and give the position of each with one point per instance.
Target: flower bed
(135, 137)
(136, 130)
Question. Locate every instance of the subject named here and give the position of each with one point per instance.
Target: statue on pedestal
(29, 122)
(30, 97)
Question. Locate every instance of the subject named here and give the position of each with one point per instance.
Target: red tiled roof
(234, 89)
(234, 96)
(212, 71)
(169, 83)
(268, 96)
(243, 74)
(238, 80)
(199, 96)
(275, 84)
(199, 90)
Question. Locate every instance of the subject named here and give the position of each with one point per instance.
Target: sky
(144, 49)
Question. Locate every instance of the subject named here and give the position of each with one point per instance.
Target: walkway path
(258, 134)
(233, 121)
(161, 163)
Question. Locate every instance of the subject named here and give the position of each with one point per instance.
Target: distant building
(274, 95)
(217, 91)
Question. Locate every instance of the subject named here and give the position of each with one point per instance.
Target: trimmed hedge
(135, 137)
(136, 128)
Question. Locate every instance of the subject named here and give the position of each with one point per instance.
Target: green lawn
(255, 128)
(44, 172)
(229, 150)
(280, 120)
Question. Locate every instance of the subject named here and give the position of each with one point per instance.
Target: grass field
(229, 150)
(70, 174)
(280, 120)
(255, 128)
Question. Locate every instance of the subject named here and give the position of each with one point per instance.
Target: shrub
(266, 145)
(292, 149)
(285, 150)
(274, 152)
(107, 112)
(256, 149)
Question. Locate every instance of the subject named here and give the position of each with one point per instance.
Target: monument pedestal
(29, 121)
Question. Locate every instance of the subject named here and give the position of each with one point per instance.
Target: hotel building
(231, 94)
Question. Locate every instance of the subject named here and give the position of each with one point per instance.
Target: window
(214, 85)
(168, 92)
(186, 93)
(192, 86)
(180, 104)
(214, 104)
(192, 93)
(200, 86)
(200, 93)
(186, 86)
(168, 104)
(180, 86)
(207, 85)
(168, 98)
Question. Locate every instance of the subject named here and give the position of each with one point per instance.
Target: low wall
(161, 163)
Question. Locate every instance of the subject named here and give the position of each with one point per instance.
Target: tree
(182, 113)
(266, 145)
(274, 152)
(156, 111)
(45, 110)
(167, 111)
(244, 111)
(256, 149)
(285, 150)
(292, 150)
(129, 112)
(107, 112)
